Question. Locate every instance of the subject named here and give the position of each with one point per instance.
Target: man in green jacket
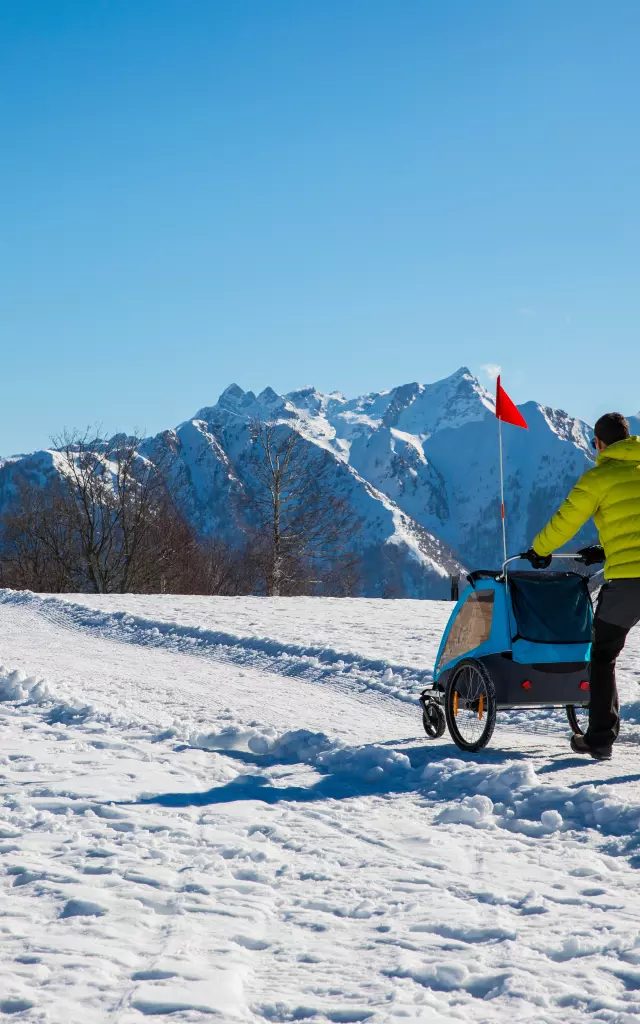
(610, 492)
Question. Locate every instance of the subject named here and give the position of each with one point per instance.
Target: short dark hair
(611, 427)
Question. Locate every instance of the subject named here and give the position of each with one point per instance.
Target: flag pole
(504, 526)
(507, 411)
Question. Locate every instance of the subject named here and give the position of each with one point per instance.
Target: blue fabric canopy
(551, 609)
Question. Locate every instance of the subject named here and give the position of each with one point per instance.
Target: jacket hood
(627, 450)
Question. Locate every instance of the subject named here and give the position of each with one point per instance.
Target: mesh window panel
(471, 626)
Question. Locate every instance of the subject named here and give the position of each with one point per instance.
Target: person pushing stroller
(610, 493)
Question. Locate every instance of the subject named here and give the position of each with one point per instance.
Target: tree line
(107, 520)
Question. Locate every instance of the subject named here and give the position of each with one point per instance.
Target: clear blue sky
(349, 193)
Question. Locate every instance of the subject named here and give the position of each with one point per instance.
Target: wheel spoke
(470, 705)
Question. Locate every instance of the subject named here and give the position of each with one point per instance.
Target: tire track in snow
(340, 670)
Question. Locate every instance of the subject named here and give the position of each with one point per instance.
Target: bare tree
(225, 571)
(112, 497)
(300, 531)
(105, 522)
(36, 544)
(178, 561)
(102, 523)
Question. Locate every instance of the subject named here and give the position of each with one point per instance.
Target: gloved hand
(592, 555)
(537, 561)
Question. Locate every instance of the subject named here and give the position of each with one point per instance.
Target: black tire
(433, 720)
(578, 717)
(472, 725)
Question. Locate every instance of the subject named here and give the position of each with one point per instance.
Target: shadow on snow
(338, 785)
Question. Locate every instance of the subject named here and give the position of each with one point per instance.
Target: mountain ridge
(418, 463)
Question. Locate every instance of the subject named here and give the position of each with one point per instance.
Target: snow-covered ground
(228, 806)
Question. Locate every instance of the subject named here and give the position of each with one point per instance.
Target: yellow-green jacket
(610, 492)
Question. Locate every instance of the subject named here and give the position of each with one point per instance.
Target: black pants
(617, 611)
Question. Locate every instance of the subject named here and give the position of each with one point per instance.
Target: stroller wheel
(433, 720)
(470, 705)
(578, 718)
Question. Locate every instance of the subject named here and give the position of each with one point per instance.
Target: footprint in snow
(15, 1005)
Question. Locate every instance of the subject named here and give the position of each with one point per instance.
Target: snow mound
(369, 762)
(16, 685)
(473, 810)
(82, 908)
(235, 736)
(301, 745)
(512, 797)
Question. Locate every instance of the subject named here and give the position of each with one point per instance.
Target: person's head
(610, 428)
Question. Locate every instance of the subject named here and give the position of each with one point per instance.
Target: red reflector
(527, 684)
(584, 685)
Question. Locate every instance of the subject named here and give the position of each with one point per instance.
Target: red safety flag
(506, 410)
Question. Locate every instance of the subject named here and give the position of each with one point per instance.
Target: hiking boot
(579, 745)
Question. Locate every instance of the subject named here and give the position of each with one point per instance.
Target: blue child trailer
(515, 639)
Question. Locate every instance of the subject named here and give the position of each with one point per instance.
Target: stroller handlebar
(575, 556)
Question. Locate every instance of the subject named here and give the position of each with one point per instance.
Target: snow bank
(513, 797)
(369, 762)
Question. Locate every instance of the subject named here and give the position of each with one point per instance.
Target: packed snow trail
(229, 807)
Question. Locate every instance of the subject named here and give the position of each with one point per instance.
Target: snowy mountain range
(418, 463)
